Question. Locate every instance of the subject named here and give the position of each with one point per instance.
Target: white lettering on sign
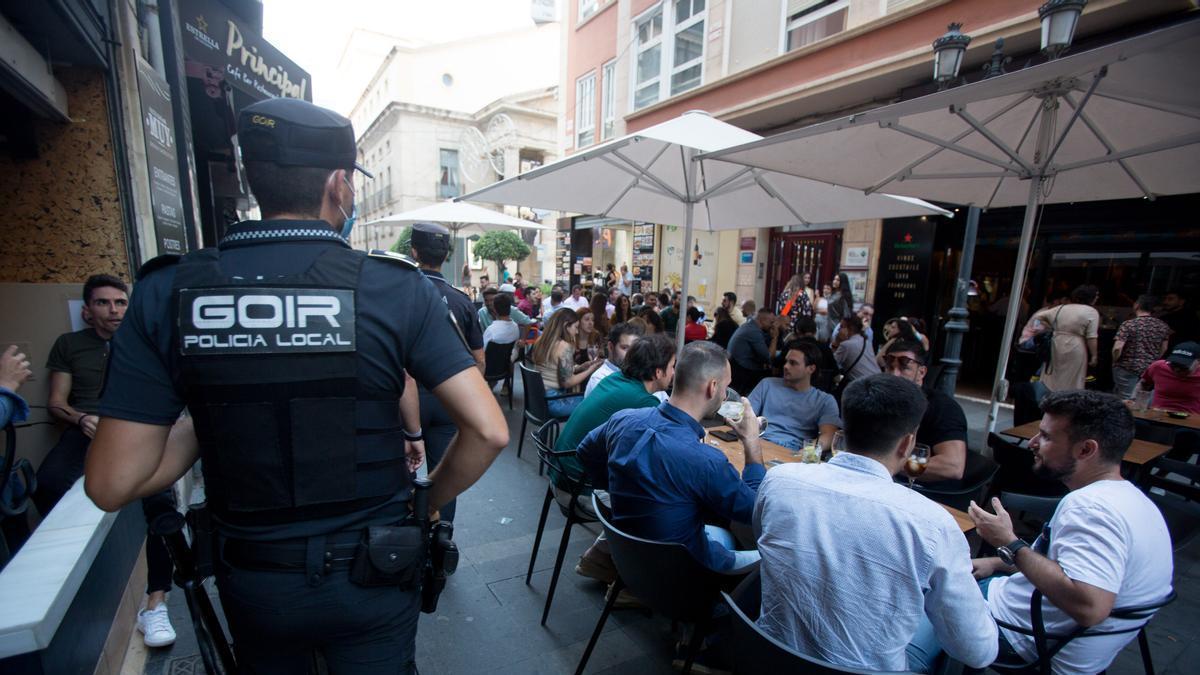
(220, 312)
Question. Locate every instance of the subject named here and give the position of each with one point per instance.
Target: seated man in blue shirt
(662, 478)
(796, 410)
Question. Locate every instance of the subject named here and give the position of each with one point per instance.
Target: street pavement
(488, 619)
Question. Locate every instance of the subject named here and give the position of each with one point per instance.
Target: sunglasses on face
(903, 362)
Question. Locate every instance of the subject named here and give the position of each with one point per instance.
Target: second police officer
(289, 350)
(430, 246)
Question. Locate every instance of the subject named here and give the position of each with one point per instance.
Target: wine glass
(917, 459)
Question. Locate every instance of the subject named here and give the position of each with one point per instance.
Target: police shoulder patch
(158, 263)
(393, 257)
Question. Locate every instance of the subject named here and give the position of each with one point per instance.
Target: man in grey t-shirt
(795, 410)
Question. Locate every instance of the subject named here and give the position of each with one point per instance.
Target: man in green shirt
(648, 368)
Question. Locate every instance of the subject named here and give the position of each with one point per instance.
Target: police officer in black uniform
(289, 350)
(430, 246)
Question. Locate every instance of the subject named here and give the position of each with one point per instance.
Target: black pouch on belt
(390, 556)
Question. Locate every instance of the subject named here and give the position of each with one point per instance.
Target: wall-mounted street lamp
(948, 53)
(1059, 18)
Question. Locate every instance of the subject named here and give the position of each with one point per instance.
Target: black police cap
(430, 237)
(292, 132)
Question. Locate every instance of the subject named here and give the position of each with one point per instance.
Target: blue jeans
(923, 651)
(561, 407)
(724, 538)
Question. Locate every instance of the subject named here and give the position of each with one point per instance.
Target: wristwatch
(1008, 553)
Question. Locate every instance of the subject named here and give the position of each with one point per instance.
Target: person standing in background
(1139, 342)
(1076, 327)
(841, 304)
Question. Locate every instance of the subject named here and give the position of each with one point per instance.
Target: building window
(588, 8)
(608, 91)
(585, 110)
(811, 20)
(670, 51)
(449, 185)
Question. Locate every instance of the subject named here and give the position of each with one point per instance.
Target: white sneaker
(155, 626)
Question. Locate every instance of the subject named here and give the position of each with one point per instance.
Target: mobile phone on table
(724, 435)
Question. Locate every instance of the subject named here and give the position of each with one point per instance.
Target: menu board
(643, 257)
(562, 257)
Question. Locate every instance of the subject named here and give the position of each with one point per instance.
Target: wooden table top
(773, 452)
(1161, 416)
(1139, 452)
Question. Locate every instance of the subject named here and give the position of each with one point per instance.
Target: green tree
(500, 245)
(403, 245)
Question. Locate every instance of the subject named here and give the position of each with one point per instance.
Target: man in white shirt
(1108, 545)
(576, 301)
(620, 339)
(503, 329)
(859, 570)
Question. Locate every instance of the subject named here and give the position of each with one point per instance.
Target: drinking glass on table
(917, 459)
(810, 451)
(838, 445)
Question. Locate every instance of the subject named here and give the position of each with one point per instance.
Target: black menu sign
(905, 257)
(162, 161)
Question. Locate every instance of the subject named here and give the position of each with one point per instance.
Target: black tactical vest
(268, 369)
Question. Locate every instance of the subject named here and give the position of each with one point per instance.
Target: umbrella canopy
(1115, 122)
(1119, 121)
(461, 219)
(644, 176)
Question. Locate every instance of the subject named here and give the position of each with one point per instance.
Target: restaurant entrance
(790, 253)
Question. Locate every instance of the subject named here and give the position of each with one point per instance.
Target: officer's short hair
(287, 189)
(102, 281)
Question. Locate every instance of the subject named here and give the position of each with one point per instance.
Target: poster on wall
(747, 258)
(856, 256)
(162, 160)
(858, 283)
(643, 256)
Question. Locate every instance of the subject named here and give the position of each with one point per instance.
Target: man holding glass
(943, 426)
(858, 570)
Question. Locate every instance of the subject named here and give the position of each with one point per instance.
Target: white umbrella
(1119, 121)
(461, 219)
(651, 176)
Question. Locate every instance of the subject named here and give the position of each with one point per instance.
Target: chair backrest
(1016, 470)
(757, 652)
(536, 407)
(1039, 507)
(663, 576)
(977, 476)
(497, 360)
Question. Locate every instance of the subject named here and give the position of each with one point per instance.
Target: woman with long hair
(899, 328)
(599, 309)
(589, 343)
(610, 276)
(554, 358)
(821, 316)
(624, 310)
(806, 282)
(723, 327)
(794, 302)
(841, 305)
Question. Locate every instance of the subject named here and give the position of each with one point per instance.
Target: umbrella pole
(1000, 384)
(689, 211)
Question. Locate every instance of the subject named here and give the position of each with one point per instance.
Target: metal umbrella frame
(1118, 121)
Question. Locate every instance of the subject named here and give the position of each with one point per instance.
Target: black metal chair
(1180, 506)
(567, 479)
(977, 478)
(757, 653)
(1046, 651)
(498, 366)
(1016, 470)
(667, 579)
(1041, 508)
(537, 407)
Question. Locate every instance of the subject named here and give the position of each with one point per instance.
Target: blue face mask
(348, 224)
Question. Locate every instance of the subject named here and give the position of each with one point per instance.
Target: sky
(314, 33)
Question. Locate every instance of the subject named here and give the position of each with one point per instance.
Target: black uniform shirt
(402, 323)
(461, 307)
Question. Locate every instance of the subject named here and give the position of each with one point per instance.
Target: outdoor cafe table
(1139, 453)
(773, 452)
(1161, 417)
